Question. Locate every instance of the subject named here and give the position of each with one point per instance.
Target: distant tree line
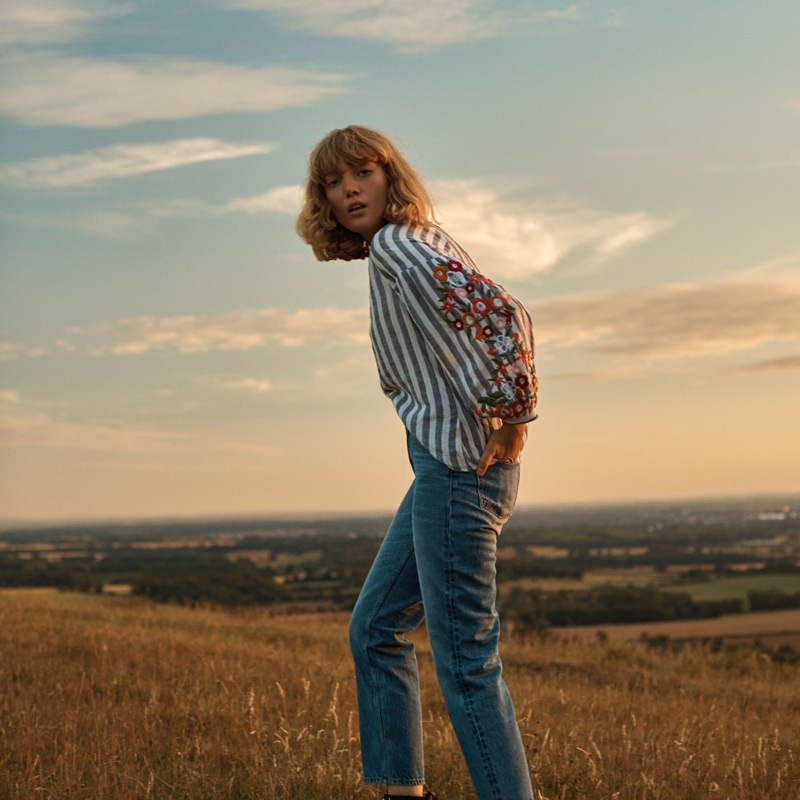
(606, 605)
(77, 575)
(214, 581)
(772, 599)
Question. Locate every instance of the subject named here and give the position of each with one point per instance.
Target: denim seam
(373, 671)
(469, 705)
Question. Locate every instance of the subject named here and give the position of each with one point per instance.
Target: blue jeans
(438, 561)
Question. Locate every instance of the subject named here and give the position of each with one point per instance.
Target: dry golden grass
(111, 698)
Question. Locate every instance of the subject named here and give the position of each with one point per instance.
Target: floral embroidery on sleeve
(486, 312)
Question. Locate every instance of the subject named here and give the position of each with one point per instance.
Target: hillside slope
(110, 698)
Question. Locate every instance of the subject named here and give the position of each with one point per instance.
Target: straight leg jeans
(437, 561)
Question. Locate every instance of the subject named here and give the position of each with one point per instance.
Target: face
(358, 196)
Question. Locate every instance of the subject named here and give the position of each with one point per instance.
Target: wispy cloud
(10, 396)
(780, 364)
(793, 105)
(46, 22)
(281, 200)
(123, 160)
(521, 239)
(518, 239)
(9, 350)
(757, 166)
(410, 25)
(238, 330)
(24, 426)
(236, 383)
(514, 239)
(278, 200)
(675, 320)
(84, 92)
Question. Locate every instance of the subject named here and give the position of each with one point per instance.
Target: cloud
(674, 321)
(513, 239)
(780, 364)
(238, 330)
(84, 92)
(281, 200)
(772, 164)
(47, 22)
(9, 396)
(412, 24)
(122, 161)
(236, 384)
(278, 200)
(517, 240)
(793, 105)
(9, 350)
(21, 426)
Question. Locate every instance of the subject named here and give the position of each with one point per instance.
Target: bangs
(344, 146)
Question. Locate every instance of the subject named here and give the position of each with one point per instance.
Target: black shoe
(426, 796)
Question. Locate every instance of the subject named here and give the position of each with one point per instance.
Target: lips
(355, 207)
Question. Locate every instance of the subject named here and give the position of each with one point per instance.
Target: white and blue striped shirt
(454, 350)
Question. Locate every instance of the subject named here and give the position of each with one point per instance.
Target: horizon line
(20, 523)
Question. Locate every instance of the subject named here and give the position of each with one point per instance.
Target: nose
(350, 185)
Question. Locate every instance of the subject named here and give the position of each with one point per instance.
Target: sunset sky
(631, 170)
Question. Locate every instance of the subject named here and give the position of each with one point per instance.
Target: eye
(332, 183)
(364, 171)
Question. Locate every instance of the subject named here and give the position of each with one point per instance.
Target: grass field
(732, 588)
(773, 628)
(113, 698)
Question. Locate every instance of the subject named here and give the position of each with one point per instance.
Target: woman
(455, 356)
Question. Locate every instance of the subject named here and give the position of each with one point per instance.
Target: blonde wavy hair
(408, 200)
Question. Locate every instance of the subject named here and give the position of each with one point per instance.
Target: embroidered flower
(456, 278)
(496, 302)
(440, 273)
(454, 265)
(448, 306)
(481, 306)
(503, 343)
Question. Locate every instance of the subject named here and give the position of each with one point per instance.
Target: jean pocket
(498, 488)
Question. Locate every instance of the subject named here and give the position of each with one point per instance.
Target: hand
(505, 444)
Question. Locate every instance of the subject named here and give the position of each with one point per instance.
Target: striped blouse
(454, 350)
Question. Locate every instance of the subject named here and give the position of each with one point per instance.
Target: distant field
(114, 698)
(715, 589)
(784, 624)
(620, 576)
(732, 588)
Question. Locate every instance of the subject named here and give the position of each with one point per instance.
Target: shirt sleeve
(481, 336)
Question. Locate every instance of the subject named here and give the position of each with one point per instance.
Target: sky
(169, 347)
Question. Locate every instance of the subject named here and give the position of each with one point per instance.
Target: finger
(485, 461)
